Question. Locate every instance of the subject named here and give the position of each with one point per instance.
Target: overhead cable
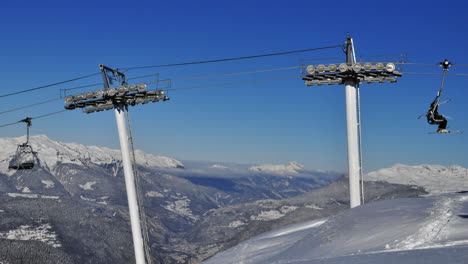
(237, 73)
(427, 64)
(48, 85)
(83, 86)
(31, 105)
(159, 81)
(230, 59)
(434, 73)
(37, 117)
(232, 83)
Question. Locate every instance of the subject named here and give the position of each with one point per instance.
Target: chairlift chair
(24, 156)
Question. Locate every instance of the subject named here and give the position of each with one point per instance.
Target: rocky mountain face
(72, 207)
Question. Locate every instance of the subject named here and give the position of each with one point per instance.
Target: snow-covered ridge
(290, 168)
(51, 152)
(434, 178)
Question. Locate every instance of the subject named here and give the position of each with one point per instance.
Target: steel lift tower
(351, 74)
(119, 99)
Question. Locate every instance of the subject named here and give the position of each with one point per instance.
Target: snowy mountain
(73, 202)
(75, 195)
(433, 178)
(51, 153)
(412, 230)
(288, 169)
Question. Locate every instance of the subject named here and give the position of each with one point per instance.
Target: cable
(202, 77)
(229, 59)
(143, 76)
(199, 77)
(48, 85)
(334, 58)
(430, 64)
(233, 83)
(9, 124)
(37, 117)
(83, 86)
(413, 63)
(170, 80)
(31, 105)
(226, 74)
(233, 74)
(49, 114)
(433, 73)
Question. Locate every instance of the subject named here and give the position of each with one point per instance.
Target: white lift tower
(351, 74)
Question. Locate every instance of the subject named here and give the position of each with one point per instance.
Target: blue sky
(267, 122)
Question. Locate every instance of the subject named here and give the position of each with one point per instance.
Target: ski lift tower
(351, 74)
(119, 99)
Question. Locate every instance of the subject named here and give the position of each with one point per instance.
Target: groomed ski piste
(413, 230)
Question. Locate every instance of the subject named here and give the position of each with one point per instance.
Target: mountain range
(72, 207)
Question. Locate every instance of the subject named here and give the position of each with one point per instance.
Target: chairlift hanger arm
(27, 120)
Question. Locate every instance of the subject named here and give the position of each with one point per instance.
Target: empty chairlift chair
(24, 156)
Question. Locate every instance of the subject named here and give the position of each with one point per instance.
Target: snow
(31, 196)
(22, 195)
(428, 229)
(235, 224)
(87, 199)
(51, 153)
(313, 206)
(273, 214)
(87, 186)
(217, 166)
(48, 184)
(180, 207)
(154, 194)
(43, 233)
(435, 179)
(309, 225)
(287, 169)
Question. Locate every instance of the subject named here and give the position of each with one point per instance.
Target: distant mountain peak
(282, 169)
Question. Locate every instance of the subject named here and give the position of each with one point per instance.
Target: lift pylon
(351, 74)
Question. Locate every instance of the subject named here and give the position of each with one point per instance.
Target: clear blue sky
(270, 122)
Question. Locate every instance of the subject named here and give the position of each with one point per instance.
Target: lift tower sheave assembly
(119, 99)
(351, 74)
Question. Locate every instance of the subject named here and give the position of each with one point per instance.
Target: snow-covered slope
(392, 231)
(434, 178)
(51, 152)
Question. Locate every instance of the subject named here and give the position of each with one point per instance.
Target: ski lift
(24, 156)
(432, 115)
